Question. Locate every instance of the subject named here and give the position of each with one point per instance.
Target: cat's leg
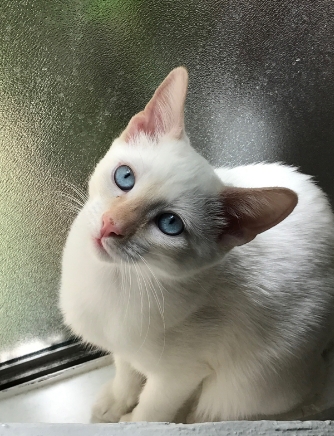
(119, 395)
(163, 395)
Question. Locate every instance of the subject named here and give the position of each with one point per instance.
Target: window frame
(48, 361)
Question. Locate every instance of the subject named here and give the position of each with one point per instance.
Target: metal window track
(48, 361)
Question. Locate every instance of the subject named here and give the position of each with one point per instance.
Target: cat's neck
(154, 292)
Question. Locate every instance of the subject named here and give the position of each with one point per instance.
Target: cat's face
(153, 199)
(159, 196)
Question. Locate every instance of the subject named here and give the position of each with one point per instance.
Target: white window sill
(240, 428)
(61, 404)
(65, 397)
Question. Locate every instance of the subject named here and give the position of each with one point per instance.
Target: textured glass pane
(72, 72)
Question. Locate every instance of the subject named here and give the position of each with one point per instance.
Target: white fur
(242, 337)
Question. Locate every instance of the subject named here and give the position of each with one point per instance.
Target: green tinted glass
(73, 72)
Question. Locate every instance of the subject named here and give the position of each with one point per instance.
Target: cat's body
(239, 331)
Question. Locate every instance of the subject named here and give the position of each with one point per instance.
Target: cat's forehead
(168, 168)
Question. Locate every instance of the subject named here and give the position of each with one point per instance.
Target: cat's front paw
(107, 408)
(191, 418)
(126, 418)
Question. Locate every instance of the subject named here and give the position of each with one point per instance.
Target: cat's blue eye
(170, 224)
(124, 178)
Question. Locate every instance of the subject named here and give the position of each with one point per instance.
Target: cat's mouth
(98, 242)
(101, 249)
(106, 251)
(118, 250)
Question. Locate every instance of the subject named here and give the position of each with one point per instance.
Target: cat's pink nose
(109, 228)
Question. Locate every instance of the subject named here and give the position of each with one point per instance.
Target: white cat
(212, 288)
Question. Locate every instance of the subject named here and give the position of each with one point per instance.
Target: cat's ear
(249, 212)
(164, 113)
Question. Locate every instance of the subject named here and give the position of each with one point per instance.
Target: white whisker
(161, 309)
(72, 200)
(123, 290)
(149, 308)
(141, 296)
(160, 285)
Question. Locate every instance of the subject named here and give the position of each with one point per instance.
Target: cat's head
(154, 199)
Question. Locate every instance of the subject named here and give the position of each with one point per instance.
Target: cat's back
(299, 251)
(263, 174)
(290, 267)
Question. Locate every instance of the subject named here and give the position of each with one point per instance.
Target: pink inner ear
(164, 113)
(140, 123)
(249, 212)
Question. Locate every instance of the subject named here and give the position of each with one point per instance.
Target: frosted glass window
(72, 73)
